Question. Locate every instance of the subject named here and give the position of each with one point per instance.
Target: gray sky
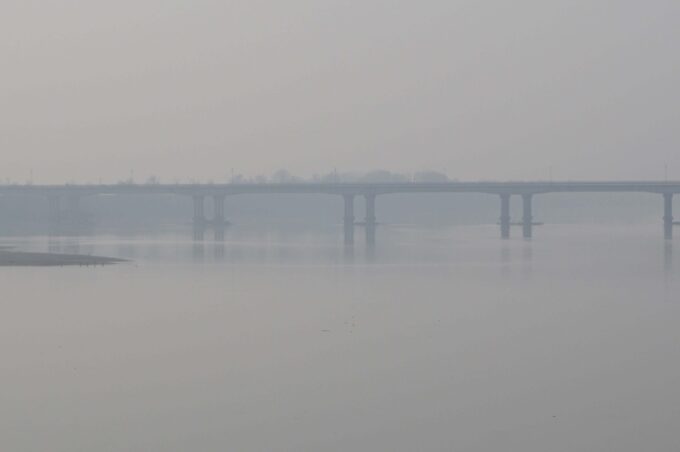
(481, 90)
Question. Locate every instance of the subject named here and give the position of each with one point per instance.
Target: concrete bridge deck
(370, 190)
(378, 188)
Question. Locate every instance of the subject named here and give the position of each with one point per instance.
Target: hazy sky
(480, 89)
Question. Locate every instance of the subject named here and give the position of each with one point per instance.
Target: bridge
(72, 193)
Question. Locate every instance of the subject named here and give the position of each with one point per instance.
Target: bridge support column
(218, 202)
(370, 219)
(527, 217)
(74, 203)
(219, 234)
(370, 209)
(199, 210)
(349, 219)
(54, 209)
(668, 216)
(199, 232)
(505, 216)
(73, 215)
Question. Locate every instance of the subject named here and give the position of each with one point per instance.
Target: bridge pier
(527, 217)
(73, 215)
(219, 234)
(54, 209)
(505, 216)
(349, 219)
(199, 232)
(218, 202)
(668, 216)
(370, 219)
(199, 210)
(73, 205)
(370, 208)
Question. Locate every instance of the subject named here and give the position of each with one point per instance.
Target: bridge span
(56, 194)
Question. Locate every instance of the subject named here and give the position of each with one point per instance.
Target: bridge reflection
(400, 245)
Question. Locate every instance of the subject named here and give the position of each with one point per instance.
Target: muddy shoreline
(9, 258)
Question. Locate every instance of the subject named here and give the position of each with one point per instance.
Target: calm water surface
(439, 339)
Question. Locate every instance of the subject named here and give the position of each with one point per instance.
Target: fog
(479, 90)
(381, 226)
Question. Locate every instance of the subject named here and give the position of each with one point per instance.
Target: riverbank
(10, 258)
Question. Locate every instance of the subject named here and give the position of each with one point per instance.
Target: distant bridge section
(56, 194)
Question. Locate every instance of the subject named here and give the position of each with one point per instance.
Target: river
(279, 338)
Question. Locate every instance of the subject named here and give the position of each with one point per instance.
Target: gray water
(280, 339)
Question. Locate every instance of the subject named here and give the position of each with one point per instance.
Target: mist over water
(223, 155)
(279, 338)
